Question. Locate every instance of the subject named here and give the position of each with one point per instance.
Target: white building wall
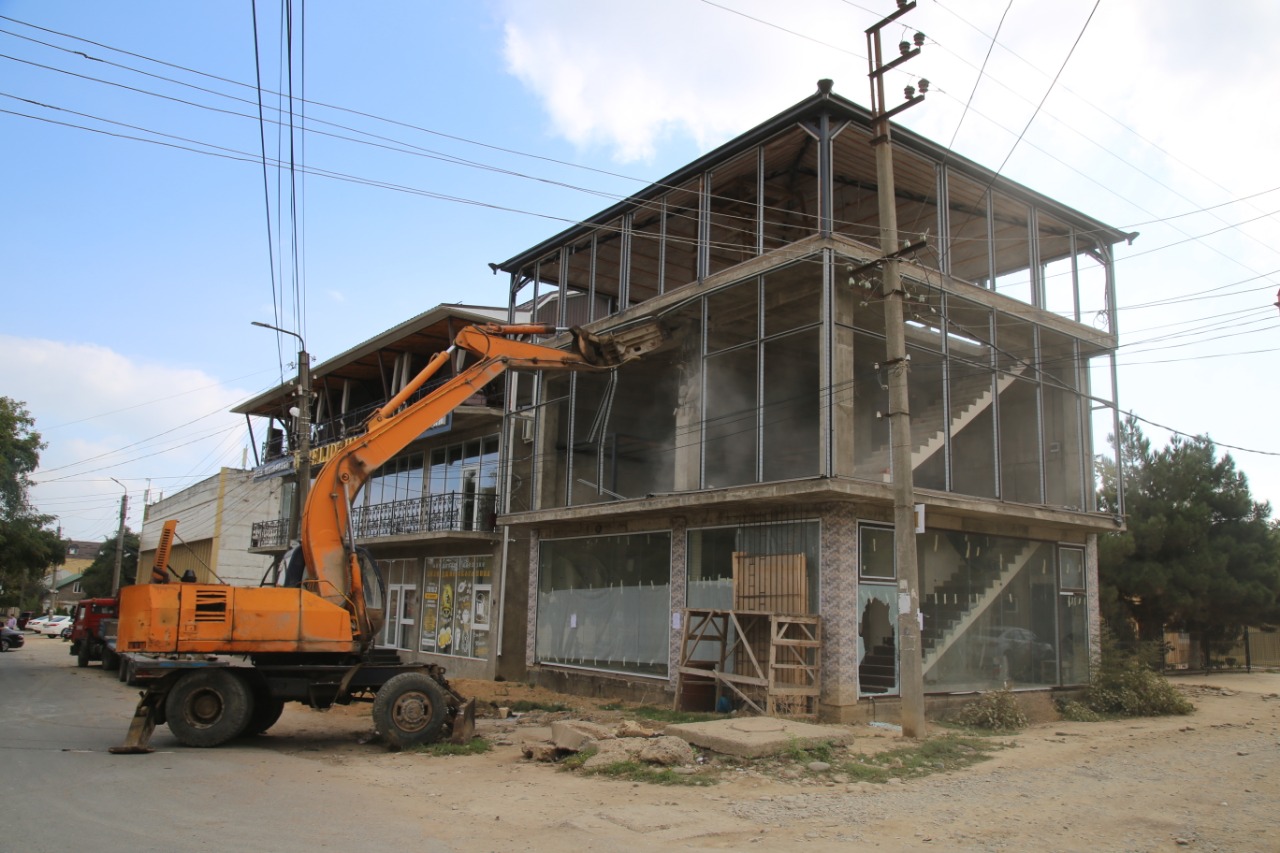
(222, 510)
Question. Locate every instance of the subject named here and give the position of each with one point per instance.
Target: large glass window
(457, 606)
(990, 606)
(604, 602)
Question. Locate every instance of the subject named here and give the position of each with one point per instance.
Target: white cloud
(103, 415)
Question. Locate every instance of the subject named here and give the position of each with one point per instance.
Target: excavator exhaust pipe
(610, 349)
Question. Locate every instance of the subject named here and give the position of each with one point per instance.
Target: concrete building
(571, 529)
(215, 520)
(746, 467)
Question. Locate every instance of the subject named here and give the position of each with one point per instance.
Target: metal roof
(812, 107)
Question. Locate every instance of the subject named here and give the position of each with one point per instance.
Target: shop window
(604, 602)
(457, 606)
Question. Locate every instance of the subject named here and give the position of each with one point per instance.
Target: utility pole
(124, 510)
(301, 412)
(53, 591)
(911, 678)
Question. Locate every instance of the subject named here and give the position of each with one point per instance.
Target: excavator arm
(333, 568)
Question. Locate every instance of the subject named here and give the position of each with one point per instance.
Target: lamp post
(124, 509)
(302, 427)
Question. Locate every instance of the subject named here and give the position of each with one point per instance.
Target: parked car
(11, 639)
(34, 623)
(52, 627)
(24, 617)
(1016, 653)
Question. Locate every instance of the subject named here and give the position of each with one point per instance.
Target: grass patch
(937, 755)
(630, 770)
(662, 715)
(523, 705)
(475, 746)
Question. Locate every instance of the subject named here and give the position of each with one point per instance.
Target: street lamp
(302, 426)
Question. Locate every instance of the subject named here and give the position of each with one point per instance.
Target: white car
(34, 624)
(52, 627)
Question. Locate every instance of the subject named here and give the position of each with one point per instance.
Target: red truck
(93, 631)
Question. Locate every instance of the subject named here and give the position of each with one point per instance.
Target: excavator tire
(208, 707)
(409, 710)
(266, 707)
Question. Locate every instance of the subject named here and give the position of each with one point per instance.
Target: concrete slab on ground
(756, 737)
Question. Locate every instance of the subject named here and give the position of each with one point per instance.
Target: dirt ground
(1209, 781)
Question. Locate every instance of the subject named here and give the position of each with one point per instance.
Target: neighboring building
(215, 518)
(428, 516)
(753, 449)
(559, 528)
(80, 556)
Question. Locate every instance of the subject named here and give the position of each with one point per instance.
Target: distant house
(66, 577)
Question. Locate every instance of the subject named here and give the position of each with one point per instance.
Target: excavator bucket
(464, 725)
(609, 349)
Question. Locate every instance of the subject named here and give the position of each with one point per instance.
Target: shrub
(1126, 685)
(996, 711)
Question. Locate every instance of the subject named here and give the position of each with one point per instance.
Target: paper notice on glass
(573, 620)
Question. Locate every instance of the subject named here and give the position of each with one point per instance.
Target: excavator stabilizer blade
(142, 725)
(464, 725)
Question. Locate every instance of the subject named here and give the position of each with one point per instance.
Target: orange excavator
(311, 640)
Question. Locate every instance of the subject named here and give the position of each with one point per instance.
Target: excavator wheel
(208, 707)
(409, 710)
(267, 708)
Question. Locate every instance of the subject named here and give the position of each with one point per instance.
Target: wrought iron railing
(453, 511)
(272, 533)
(430, 513)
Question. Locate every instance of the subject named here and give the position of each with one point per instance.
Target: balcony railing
(427, 514)
(453, 511)
(272, 533)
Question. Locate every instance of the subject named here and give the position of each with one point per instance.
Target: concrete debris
(626, 742)
(576, 735)
(630, 728)
(667, 751)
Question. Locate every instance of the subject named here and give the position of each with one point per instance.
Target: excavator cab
(375, 596)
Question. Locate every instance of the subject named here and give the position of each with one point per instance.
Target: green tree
(1199, 554)
(96, 581)
(27, 545)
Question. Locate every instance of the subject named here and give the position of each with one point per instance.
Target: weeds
(937, 755)
(475, 746)
(1125, 685)
(662, 715)
(524, 705)
(995, 711)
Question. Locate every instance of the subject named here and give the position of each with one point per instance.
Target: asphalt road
(64, 791)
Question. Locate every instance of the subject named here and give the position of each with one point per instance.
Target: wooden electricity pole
(911, 677)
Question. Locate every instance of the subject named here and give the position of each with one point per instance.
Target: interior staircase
(955, 605)
(970, 396)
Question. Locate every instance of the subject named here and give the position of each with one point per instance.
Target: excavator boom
(333, 568)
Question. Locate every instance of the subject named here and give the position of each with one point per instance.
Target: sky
(141, 233)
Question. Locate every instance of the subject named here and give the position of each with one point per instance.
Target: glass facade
(441, 605)
(604, 602)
